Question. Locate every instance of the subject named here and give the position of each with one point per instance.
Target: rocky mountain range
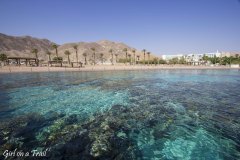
(22, 47)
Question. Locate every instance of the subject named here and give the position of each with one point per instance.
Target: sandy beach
(17, 69)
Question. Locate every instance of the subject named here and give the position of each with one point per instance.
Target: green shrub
(58, 59)
(3, 57)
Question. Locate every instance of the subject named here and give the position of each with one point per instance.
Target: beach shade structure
(26, 60)
(79, 64)
(56, 61)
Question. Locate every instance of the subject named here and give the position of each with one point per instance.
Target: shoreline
(21, 69)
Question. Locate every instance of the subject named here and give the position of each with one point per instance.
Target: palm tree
(138, 57)
(148, 56)
(49, 55)
(116, 55)
(155, 61)
(67, 53)
(125, 50)
(134, 59)
(192, 60)
(144, 52)
(93, 49)
(129, 56)
(35, 51)
(230, 59)
(85, 57)
(76, 49)
(55, 46)
(205, 59)
(3, 58)
(101, 56)
(111, 51)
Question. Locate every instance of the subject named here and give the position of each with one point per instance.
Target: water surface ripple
(162, 114)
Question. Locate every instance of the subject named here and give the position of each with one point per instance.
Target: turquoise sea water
(164, 114)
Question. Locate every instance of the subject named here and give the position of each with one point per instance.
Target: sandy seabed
(14, 69)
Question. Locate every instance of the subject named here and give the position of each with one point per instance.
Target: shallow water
(164, 114)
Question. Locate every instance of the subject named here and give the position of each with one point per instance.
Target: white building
(168, 57)
(212, 54)
(194, 59)
(197, 59)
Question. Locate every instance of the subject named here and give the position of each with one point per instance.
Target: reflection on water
(168, 114)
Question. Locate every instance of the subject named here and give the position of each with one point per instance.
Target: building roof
(28, 58)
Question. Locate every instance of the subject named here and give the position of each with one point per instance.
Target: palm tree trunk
(77, 56)
(57, 53)
(49, 59)
(85, 60)
(112, 59)
(37, 62)
(134, 60)
(148, 59)
(144, 58)
(68, 60)
(126, 58)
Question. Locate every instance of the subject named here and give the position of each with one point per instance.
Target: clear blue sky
(160, 26)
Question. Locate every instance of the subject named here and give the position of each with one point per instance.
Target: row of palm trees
(138, 56)
(68, 53)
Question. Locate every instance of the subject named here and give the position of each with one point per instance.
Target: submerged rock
(201, 144)
(122, 135)
(100, 147)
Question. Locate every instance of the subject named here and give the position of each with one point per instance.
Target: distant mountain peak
(105, 41)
